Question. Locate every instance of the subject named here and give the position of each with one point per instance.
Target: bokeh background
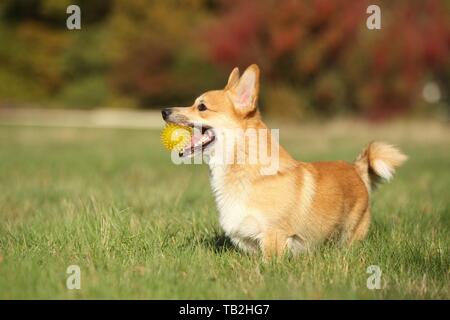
(318, 58)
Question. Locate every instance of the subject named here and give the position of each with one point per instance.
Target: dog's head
(230, 108)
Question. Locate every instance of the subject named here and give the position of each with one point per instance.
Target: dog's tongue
(196, 137)
(196, 143)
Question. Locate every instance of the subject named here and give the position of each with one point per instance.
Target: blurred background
(318, 58)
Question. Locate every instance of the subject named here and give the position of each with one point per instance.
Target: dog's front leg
(246, 245)
(273, 244)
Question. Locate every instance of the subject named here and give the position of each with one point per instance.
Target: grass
(111, 202)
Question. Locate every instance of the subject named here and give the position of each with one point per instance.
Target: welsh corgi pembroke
(297, 206)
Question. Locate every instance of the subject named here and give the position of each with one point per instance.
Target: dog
(302, 204)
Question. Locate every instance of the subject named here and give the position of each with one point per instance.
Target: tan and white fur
(300, 206)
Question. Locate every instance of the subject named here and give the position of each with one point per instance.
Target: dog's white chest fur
(239, 221)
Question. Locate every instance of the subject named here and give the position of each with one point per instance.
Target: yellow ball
(175, 136)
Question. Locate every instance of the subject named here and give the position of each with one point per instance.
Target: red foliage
(299, 41)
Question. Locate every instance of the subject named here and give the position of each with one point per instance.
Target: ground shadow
(218, 242)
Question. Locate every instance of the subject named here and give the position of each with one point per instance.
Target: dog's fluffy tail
(377, 162)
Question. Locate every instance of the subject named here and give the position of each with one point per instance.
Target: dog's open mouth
(202, 137)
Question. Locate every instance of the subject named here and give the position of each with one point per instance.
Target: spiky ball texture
(175, 136)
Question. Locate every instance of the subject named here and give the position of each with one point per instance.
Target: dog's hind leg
(359, 231)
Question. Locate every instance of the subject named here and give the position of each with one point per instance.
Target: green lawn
(111, 202)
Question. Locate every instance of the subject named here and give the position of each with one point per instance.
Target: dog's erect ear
(232, 79)
(244, 94)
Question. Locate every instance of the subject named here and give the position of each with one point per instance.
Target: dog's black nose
(166, 112)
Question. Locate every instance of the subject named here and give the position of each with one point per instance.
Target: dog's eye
(202, 107)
